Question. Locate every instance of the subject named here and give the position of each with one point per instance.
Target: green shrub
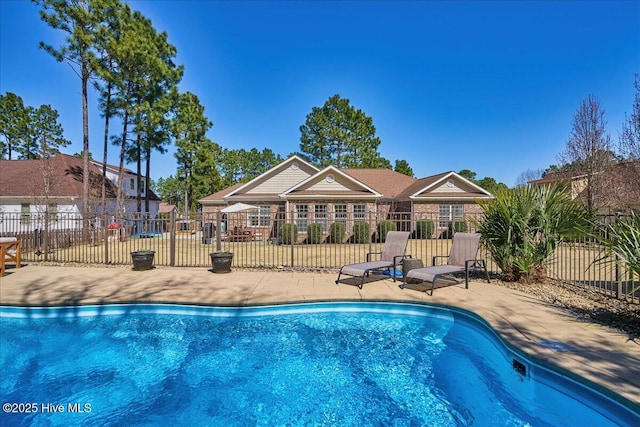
(285, 233)
(314, 233)
(457, 226)
(361, 233)
(338, 229)
(424, 229)
(384, 227)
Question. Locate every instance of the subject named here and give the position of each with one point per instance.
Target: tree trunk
(139, 174)
(85, 149)
(123, 147)
(103, 196)
(147, 178)
(103, 201)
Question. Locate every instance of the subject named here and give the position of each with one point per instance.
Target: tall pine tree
(338, 134)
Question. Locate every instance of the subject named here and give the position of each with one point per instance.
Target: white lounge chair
(461, 259)
(391, 256)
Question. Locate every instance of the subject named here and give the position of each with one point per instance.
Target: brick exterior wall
(397, 212)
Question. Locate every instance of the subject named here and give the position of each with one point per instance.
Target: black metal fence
(279, 241)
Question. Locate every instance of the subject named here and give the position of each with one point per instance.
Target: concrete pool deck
(602, 355)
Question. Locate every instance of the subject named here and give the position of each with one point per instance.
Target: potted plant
(142, 259)
(221, 262)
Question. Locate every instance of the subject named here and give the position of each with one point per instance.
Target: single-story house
(616, 188)
(25, 194)
(311, 195)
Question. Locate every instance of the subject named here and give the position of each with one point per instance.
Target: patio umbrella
(238, 207)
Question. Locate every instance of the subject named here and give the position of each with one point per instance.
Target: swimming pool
(343, 364)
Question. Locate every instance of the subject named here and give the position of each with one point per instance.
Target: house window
(132, 184)
(53, 211)
(448, 213)
(260, 217)
(143, 187)
(340, 213)
(359, 212)
(25, 213)
(322, 216)
(302, 217)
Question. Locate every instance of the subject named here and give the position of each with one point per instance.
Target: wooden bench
(240, 235)
(9, 252)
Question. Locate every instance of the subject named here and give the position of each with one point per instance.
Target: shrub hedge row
(361, 231)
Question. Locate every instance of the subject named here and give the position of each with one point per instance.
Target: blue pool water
(337, 364)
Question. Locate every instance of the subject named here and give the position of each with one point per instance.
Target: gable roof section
(448, 186)
(217, 198)
(165, 208)
(330, 183)
(387, 182)
(112, 168)
(115, 170)
(274, 181)
(555, 177)
(297, 179)
(25, 178)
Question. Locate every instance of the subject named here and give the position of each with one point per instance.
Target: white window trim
(260, 217)
(454, 213)
(301, 217)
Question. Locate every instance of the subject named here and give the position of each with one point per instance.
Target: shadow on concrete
(49, 292)
(356, 280)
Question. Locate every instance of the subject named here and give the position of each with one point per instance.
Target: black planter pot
(221, 262)
(142, 260)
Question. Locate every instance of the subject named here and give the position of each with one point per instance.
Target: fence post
(218, 231)
(291, 239)
(607, 220)
(371, 229)
(105, 234)
(618, 279)
(172, 239)
(46, 234)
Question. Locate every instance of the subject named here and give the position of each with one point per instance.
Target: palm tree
(522, 227)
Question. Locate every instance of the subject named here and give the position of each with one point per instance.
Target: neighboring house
(295, 187)
(617, 186)
(31, 188)
(129, 181)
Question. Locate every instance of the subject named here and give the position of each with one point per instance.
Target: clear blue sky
(487, 86)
